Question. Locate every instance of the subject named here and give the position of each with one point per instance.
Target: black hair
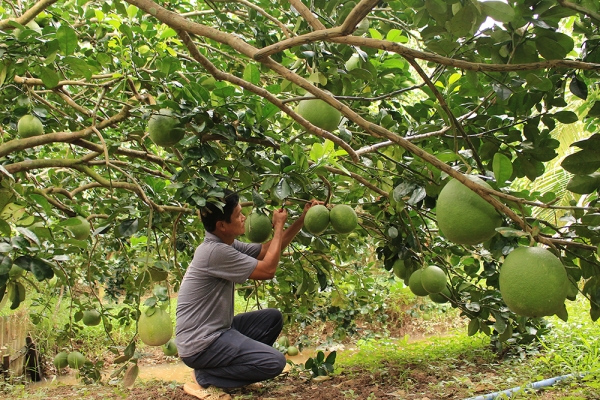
(212, 213)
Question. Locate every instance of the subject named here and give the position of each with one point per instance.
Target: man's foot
(209, 393)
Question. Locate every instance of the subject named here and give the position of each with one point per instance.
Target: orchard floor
(162, 377)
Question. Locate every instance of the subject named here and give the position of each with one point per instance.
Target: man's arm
(290, 232)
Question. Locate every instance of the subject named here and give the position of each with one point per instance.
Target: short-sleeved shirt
(206, 297)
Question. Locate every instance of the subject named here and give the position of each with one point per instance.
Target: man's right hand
(279, 218)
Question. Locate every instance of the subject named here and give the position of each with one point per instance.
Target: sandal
(209, 393)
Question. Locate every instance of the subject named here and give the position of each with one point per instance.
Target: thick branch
(21, 144)
(358, 13)
(307, 14)
(28, 15)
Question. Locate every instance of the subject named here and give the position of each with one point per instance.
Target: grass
(571, 347)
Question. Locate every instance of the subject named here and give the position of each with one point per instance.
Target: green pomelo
(319, 113)
(316, 219)
(415, 285)
(80, 231)
(156, 329)
(399, 268)
(258, 227)
(60, 360)
(29, 126)
(91, 318)
(533, 282)
(433, 279)
(283, 341)
(292, 351)
(442, 297)
(164, 129)
(343, 218)
(170, 348)
(463, 216)
(76, 360)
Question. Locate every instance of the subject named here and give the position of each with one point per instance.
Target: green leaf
(257, 199)
(578, 88)
(503, 168)
(583, 162)
(67, 39)
(128, 227)
(283, 189)
(252, 74)
(473, 327)
(550, 49)
(539, 83)
(463, 21)
(566, 117)
(38, 267)
(498, 11)
(4, 228)
(331, 358)
(80, 67)
(5, 265)
(584, 184)
(49, 77)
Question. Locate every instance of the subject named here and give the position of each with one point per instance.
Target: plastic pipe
(534, 385)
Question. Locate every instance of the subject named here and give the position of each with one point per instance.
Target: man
(228, 351)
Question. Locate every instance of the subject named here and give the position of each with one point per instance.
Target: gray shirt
(206, 297)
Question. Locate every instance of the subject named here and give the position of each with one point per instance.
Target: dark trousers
(242, 355)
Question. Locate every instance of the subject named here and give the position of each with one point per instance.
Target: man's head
(211, 214)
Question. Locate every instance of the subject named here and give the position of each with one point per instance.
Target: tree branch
(21, 144)
(580, 9)
(218, 74)
(28, 15)
(307, 14)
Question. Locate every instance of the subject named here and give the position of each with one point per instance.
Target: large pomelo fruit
(80, 231)
(76, 360)
(29, 126)
(415, 285)
(258, 227)
(319, 113)
(316, 219)
(433, 279)
(533, 282)
(164, 128)
(60, 360)
(155, 329)
(463, 216)
(343, 218)
(91, 317)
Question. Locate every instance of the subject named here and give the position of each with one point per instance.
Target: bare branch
(307, 14)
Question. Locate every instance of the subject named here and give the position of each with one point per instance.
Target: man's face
(236, 226)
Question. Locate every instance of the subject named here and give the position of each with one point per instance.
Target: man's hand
(310, 204)
(279, 218)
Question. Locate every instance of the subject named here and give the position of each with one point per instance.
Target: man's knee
(275, 365)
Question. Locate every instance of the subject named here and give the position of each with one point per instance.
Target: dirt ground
(422, 381)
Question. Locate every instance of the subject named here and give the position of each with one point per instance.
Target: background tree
(427, 91)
